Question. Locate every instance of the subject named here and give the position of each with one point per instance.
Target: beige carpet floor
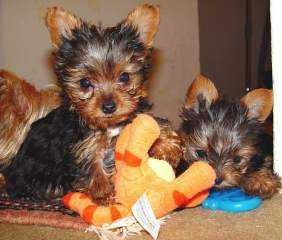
(264, 223)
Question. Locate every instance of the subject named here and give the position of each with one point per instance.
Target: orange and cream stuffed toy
(137, 174)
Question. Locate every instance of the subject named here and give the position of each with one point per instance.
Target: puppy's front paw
(102, 191)
(263, 184)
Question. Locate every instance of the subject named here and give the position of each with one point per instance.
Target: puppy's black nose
(218, 180)
(109, 107)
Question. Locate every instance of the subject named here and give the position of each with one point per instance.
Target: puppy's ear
(145, 19)
(202, 90)
(60, 24)
(259, 103)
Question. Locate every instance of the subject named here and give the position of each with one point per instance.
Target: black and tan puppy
(229, 135)
(101, 72)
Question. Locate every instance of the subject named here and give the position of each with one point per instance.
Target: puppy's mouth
(109, 116)
(113, 117)
(110, 120)
(104, 120)
(119, 115)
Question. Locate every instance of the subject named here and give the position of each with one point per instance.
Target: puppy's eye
(237, 159)
(201, 153)
(124, 77)
(85, 83)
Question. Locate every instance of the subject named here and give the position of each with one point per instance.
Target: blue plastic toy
(231, 200)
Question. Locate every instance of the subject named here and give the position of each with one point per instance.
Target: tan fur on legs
(168, 146)
(262, 183)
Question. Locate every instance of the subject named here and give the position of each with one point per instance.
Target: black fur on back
(44, 164)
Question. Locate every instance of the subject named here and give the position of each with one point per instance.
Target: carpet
(263, 223)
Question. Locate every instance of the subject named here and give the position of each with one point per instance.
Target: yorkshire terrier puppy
(101, 72)
(20, 105)
(229, 135)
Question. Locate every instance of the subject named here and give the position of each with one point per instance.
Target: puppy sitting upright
(102, 74)
(230, 137)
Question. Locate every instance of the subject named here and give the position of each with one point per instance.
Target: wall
(222, 26)
(25, 47)
(259, 11)
(222, 41)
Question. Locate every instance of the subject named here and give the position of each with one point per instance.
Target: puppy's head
(102, 70)
(222, 132)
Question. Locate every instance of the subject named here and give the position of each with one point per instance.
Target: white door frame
(276, 35)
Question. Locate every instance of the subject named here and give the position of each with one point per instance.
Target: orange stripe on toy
(66, 199)
(118, 156)
(180, 199)
(198, 198)
(115, 213)
(88, 213)
(131, 160)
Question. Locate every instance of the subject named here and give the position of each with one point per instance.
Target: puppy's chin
(106, 122)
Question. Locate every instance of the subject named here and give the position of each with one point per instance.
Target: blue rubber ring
(232, 200)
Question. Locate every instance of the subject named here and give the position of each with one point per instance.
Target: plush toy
(138, 174)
